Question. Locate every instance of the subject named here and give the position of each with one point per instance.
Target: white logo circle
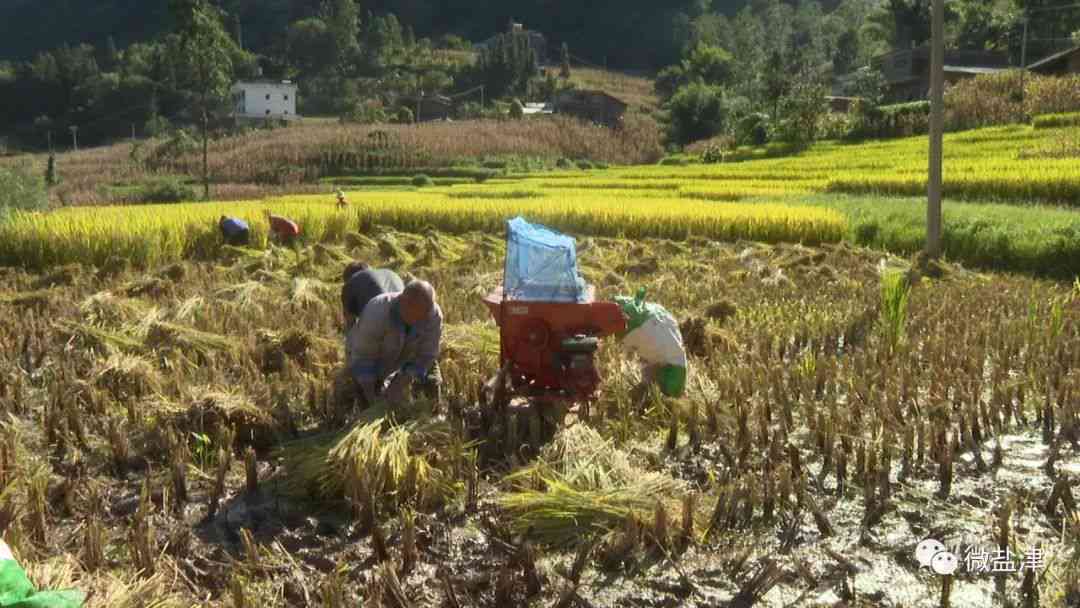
(944, 563)
(926, 550)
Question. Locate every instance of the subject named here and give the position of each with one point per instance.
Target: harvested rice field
(177, 433)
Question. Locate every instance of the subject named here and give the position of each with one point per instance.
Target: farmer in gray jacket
(395, 343)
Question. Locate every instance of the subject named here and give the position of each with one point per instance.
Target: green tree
(800, 110)
(204, 51)
(344, 26)
(696, 111)
(312, 48)
(867, 84)
(710, 64)
(505, 67)
(847, 52)
(776, 80)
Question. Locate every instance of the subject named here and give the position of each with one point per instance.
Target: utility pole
(419, 98)
(1023, 58)
(132, 132)
(481, 97)
(48, 134)
(74, 137)
(937, 126)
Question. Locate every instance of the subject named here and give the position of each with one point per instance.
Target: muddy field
(166, 437)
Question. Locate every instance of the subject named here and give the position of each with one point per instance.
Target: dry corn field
(178, 435)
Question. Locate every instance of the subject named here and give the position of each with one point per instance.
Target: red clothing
(283, 227)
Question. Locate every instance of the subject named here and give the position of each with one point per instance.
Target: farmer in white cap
(16, 590)
(394, 345)
(653, 334)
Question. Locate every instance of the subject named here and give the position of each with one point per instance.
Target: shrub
(420, 181)
(366, 113)
(751, 130)
(517, 111)
(21, 190)
(1054, 121)
(800, 112)
(564, 163)
(696, 111)
(165, 190)
(156, 126)
(897, 120)
(835, 125)
(584, 165)
(404, 116)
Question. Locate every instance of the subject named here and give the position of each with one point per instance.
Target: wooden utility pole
(1023, 57)
(937, 127)
(74, 137)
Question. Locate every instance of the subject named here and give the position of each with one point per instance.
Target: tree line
(761, 73)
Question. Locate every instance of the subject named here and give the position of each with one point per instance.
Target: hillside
(594, 30)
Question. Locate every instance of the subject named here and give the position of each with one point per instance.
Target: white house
(262, 99)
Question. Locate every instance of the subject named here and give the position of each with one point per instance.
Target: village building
(907, 71)
(428, 108)
(1059, 64)
(264, 99)
(594, 106)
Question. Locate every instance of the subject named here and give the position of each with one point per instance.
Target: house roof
(266, 81)
(968, 69)
(1052, 58)
(584, 93)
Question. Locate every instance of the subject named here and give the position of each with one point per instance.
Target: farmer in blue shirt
(394, 345)
(234, 230)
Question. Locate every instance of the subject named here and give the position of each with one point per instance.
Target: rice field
(1007, 205)
(182, 432)
(155, 234)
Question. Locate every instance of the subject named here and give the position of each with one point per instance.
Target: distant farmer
(16, 590)
(394, 345)
(653, 334)
(360, 283)
(341, 202)
(235, 231)
(285, 230)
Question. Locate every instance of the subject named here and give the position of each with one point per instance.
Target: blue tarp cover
(541, 265)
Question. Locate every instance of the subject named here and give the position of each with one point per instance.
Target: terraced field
(1009, 198)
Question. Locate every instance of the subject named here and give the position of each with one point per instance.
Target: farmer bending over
(395, 343)
(360, 283)
(284, 229)
(653, 334)
(341, 202)
(235, 231)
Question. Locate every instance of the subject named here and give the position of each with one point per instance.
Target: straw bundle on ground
(589, 486)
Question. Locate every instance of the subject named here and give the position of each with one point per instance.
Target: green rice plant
(895, 289)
